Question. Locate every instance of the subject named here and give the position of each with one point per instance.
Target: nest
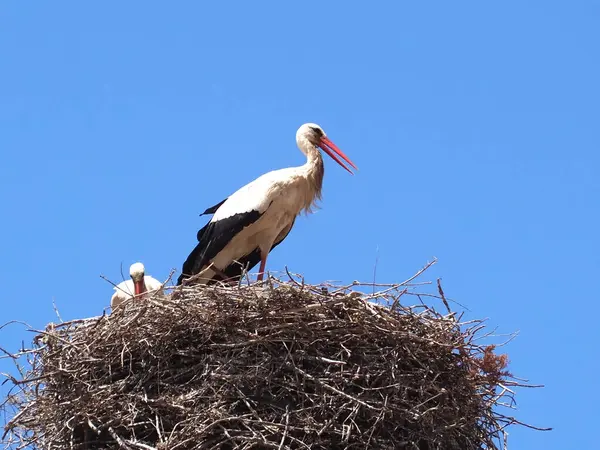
(279, 365)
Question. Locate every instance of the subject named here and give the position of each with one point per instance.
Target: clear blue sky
(475, 126)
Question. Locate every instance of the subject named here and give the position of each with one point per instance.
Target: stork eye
(317, 131)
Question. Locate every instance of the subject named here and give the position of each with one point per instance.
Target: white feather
(256, 195)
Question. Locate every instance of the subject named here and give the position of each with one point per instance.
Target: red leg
(261, 271)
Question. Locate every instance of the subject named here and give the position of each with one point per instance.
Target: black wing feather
(235, 269)
(212, 238)
(213, 209)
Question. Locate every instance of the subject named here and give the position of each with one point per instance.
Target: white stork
(139, 284)
(246, 226)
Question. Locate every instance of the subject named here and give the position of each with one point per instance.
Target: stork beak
(138, 287)
(332, 150)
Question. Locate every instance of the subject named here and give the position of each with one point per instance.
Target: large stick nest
(278, 365)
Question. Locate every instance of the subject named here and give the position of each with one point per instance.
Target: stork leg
(263, 263)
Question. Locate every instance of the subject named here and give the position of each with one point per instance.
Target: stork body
(246, 226)
(139, 284)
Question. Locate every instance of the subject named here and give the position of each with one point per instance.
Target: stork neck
(312, 171)
(139, 287)
(314, 160)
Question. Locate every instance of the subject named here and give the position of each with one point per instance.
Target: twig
(443, 297)
(117, 438)
(331, 388)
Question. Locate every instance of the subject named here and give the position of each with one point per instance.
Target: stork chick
(139, 284)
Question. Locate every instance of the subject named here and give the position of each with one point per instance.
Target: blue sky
(474, 125)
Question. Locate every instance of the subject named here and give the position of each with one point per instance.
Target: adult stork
(139, 284)
(246, 226)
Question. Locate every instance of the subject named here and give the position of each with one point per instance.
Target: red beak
(139, 287)
(332, 150)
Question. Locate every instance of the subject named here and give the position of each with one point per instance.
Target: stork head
(136, 272)
(315, 135)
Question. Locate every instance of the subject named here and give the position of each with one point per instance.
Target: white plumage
(139, 284)
(257, 217)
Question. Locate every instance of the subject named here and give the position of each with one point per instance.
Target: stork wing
(213, 209)
(247, 262)
(212, 238)
(231, 216)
